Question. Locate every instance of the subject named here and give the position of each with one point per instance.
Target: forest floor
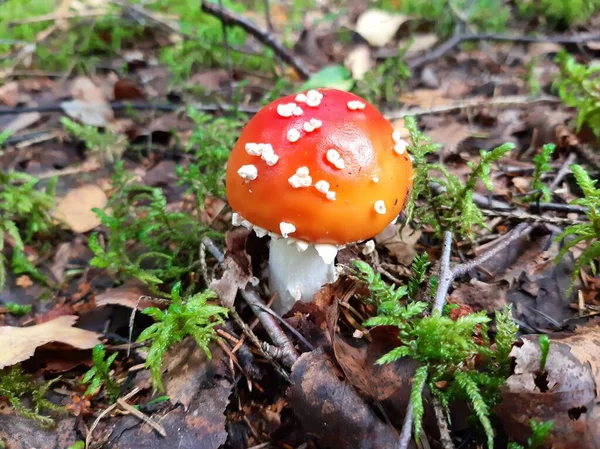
(134, 315)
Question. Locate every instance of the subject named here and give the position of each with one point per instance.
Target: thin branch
(224, 29)
(139, 106)
(524, 216)
(445, 439)
(459, 38)
(507, 101)
(261, 35)
(568, 208)
(564, 171)
(289, 355)
(254, 339)
(156, 426)
(447, 275)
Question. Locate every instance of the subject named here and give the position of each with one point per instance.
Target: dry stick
(106, 411)
(459, 38)
(252, 336)
(224, 30)
(285, 324)
(261, 35)
(445, 439)
(139, 106)
(156, 426)
(505, 101)
(564, 170)
(524, 216)
(287, 352)
(447, 275)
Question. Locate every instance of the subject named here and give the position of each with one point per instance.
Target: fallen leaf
(378, 27)
(89, 105)
(234, 278)
(480, 295)
(331, 409)
(565, 391)
(18, 432)
(359, 61)
(425, 98)
(20, 343)
(419, 43)
(75, 209)
(128, 295)
(201, 424)
(543, 48)
(188, 368)
(9, 94)
(399, 242)
(24, 281)
(126, 89)
(450, 135)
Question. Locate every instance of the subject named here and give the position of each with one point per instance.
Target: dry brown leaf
(331, 409)
(20, 343)
(450, 136)
(378, 27)
(75, 209)
(24, 281)
(127, 295)
(89, 105)
(543, 48)
(9, 94)
(480, 295)
(420, 43)
(425, 98)
(400, 243)
(565, 392)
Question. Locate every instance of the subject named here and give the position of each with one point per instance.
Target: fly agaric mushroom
(316, 171)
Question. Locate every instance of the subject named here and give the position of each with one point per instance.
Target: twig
(261, 35)
(568, 208)
(564, 170)
(224, 29)
(288, 352)
(106, 411)
(285, 324)
(139, 106)
(252, 336)
(445, 439)
(446, 276)
(459, 38)
(213, 249)
(156, 426)
(507, 101)
(524, 216)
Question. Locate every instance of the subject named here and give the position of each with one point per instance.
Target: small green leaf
(333, 76)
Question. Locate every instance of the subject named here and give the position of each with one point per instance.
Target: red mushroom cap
(325, 162)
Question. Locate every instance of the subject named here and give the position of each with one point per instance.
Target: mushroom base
(296, 275)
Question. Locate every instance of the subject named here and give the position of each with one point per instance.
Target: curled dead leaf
(378, 27)
(565, 392)
(20, 343)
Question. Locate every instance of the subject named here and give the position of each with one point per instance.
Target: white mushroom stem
(296, 274)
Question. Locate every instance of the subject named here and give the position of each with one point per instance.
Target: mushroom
(316, 171)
